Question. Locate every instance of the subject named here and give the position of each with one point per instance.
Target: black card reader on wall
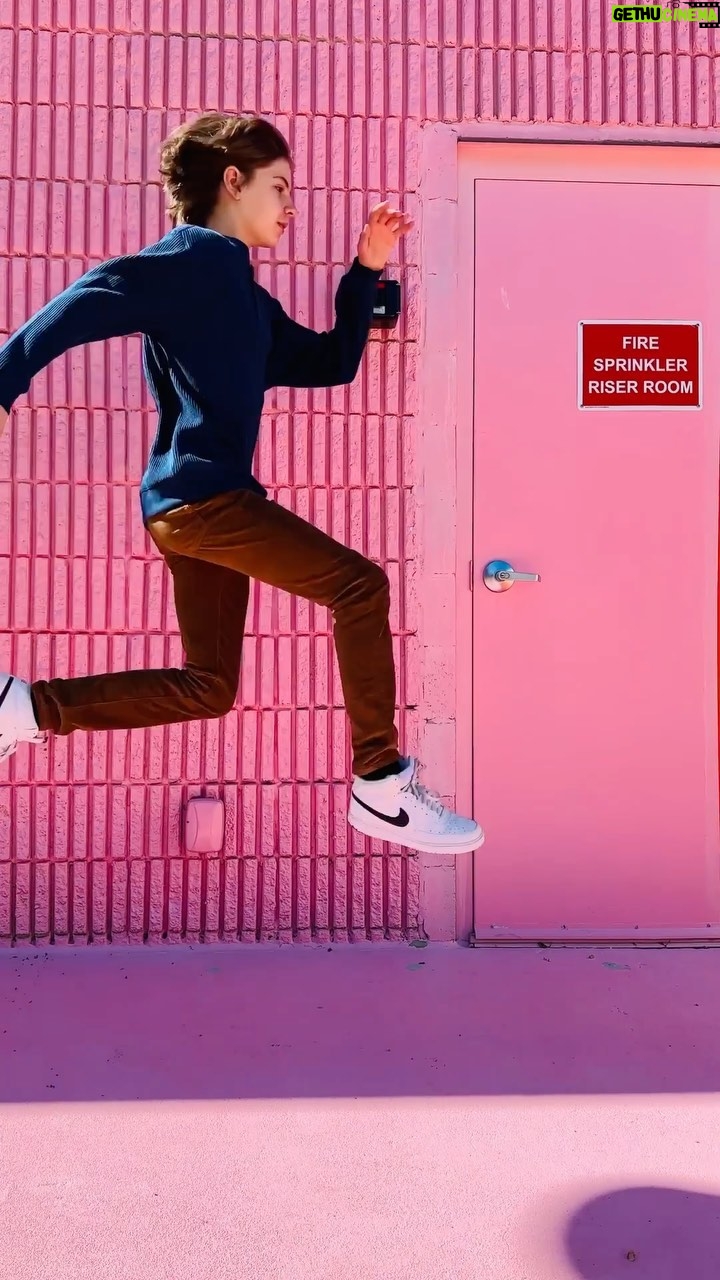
(386, 310)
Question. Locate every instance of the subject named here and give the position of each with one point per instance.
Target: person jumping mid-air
(214, 343)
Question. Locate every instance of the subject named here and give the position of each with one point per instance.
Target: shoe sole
(378, 831)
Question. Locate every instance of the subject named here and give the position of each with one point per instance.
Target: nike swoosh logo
(402, 819)
(6, 690)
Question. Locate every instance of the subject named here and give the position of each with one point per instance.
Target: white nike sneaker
(402, 810)
(17, 718)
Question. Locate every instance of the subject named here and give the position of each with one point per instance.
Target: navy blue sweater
(214, 343)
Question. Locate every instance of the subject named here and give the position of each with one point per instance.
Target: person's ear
(233, 181)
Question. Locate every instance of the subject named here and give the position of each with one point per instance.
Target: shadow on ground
(647, 1233)
(356, 1022)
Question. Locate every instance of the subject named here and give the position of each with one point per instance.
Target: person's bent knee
(376, 579)
(372, 580)
(367, 583)
(213, 697)
(223, 703)
(365, 588)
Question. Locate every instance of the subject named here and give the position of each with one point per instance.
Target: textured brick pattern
(91, 831)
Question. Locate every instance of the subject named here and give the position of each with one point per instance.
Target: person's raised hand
(380, 235)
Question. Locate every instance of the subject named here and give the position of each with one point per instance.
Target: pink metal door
(595, 691)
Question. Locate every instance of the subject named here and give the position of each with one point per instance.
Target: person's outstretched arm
(119, 297)
(301, 357)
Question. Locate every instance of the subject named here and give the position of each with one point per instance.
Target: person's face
(262, 206)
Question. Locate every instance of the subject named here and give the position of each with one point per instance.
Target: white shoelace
(12, 746)
(429, 798)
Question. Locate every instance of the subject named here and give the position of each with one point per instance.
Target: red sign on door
(639, 364)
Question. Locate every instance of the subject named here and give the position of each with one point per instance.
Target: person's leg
(264, 541)
(255, 537)
(211, 606)
(245, 536)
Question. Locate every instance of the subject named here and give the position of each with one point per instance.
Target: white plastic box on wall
(204, 825)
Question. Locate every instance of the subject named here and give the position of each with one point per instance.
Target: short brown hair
(195, 156)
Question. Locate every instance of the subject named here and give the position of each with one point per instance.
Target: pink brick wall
(90, 832)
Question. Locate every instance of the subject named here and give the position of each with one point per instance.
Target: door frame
(444, 468)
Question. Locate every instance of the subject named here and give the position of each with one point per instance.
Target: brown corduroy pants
(213, 548)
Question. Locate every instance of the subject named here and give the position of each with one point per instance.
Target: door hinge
(471, 575)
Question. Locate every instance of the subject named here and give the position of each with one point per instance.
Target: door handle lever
(499, 575)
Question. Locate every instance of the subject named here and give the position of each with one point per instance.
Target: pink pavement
(369, 1113)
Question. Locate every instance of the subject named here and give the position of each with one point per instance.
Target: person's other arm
(119, 297)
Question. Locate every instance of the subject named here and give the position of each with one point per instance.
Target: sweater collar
(239, 246)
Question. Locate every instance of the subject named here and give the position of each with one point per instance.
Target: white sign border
(639, 408)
